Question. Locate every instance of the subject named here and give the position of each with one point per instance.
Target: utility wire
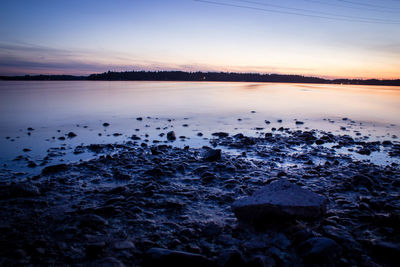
(320, 12)
(366, 4)
(351, 7)
(292, 13)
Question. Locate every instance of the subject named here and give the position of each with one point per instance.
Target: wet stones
(364, 151)
(279, 200)
(207, 177)
(124, 244)
(212, 154)
(118, 175)
(54, 169)
(166, 257)
(320, 250)
(71, 135)
(220, 134)
(19, 190)
(92, 221)
(387, 251)
(171, 136)
(107, 262)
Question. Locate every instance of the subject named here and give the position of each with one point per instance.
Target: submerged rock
(220, 134)
(71, 135)
(280, 199)
(171, 136)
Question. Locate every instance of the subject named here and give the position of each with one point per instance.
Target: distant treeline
(201, 76)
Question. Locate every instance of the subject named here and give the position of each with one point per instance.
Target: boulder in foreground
(279, 200)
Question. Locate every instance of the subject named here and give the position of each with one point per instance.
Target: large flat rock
(279, 200)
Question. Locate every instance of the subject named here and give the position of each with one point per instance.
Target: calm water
(54, 108)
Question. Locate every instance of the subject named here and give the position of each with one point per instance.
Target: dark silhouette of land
(201, 76)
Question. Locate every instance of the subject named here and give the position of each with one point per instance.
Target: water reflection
(54, 108)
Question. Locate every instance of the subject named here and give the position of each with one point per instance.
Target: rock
(279, 200)
(220, 134)
(125, 244)
(171, 136)
(208, 177)
(26, 150)
(388, 252)
(260, 261)
(166, 257)
(364, 151)
(71, 135)
(19, 190)
(54, 169)
(107, 262)
(212, 155)
(92, 221)
(267, 122)
(319, 250)
(299, 122)
(212, 229)
(139, 118)
(135, 137)
(32, 164)
(121, 176)
(106, 124)
(30, 129)
(231, 258)
(94, 249)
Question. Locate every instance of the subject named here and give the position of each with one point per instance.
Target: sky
(325, 38)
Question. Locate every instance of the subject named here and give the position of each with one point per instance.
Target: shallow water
(54, 108)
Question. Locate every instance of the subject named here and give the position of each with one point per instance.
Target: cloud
(22, 58)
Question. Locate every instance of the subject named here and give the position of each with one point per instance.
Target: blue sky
(329, 38)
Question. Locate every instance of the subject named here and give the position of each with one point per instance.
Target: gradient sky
(328, 38)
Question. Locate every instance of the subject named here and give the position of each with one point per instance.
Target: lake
(55, 108)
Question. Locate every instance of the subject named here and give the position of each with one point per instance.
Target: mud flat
(141, 205)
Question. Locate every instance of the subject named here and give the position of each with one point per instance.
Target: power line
(293, 13)
(365, 4)
(351, 7)
(320, 12)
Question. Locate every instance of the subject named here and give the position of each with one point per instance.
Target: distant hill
(201, 76)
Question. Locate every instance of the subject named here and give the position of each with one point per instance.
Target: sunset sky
(327, 38)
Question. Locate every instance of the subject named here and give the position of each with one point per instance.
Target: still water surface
(54, 108)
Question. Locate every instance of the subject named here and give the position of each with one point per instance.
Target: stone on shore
(279, 200)
(212, 155)
(166, 257)
(320, 250)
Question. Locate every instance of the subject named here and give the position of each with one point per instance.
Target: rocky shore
(287, 198)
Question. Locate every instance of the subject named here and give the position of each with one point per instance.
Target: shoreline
(138, 203)
(206, 77)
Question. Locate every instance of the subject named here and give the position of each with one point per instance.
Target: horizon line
(221, 72)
